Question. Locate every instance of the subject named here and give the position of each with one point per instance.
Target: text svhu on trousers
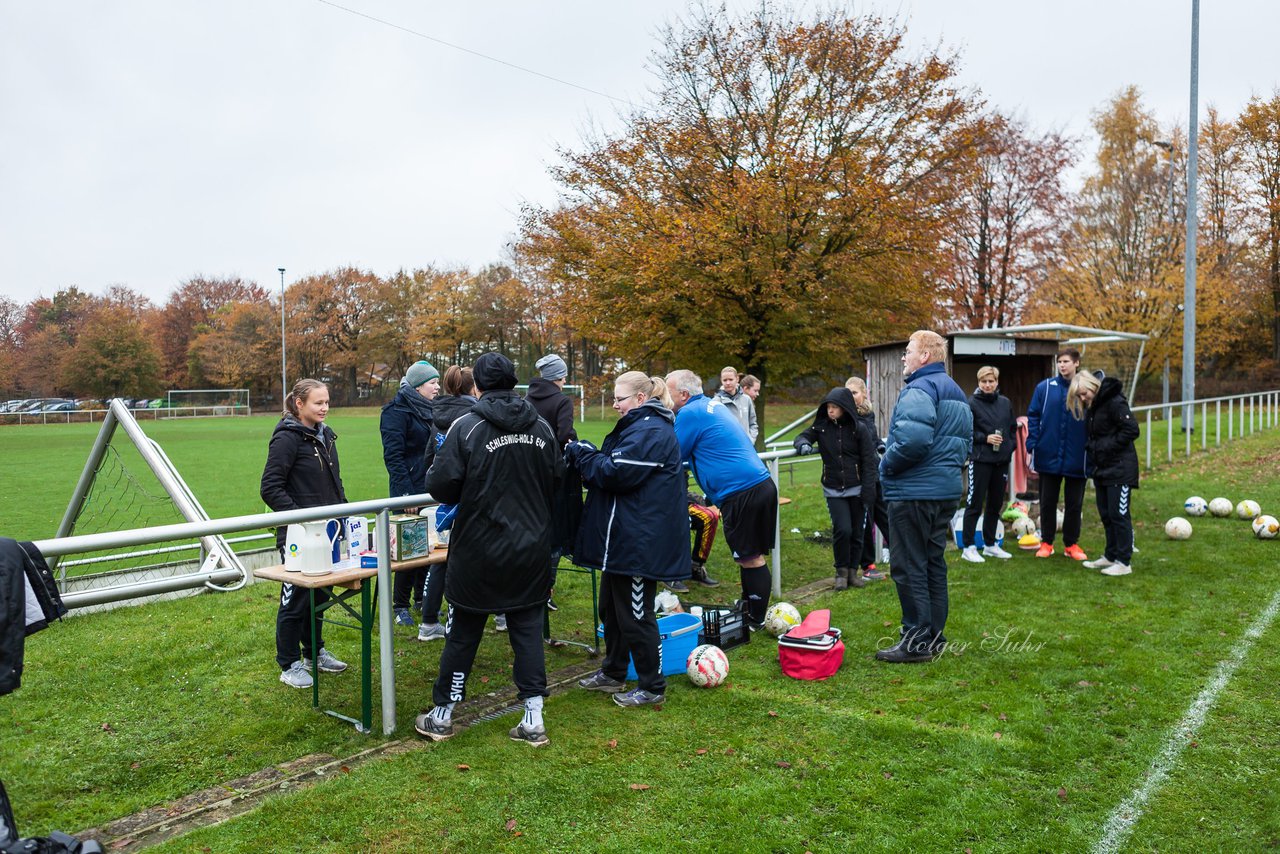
(515, 439)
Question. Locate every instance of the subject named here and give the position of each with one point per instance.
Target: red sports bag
(812, 650)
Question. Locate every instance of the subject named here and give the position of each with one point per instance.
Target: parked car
(158, 403)
(59, 406)
(140, 403)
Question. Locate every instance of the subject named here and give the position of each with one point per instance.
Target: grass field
(1062, 690)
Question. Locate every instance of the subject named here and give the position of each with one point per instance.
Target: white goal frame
(216, 409)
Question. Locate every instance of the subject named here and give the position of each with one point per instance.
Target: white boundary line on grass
(1122, 819)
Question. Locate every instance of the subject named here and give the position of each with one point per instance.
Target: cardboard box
(410, 537)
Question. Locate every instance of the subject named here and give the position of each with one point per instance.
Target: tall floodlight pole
(284, 372)
(1189, 286)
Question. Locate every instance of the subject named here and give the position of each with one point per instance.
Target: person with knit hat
(546, 393)
(501, 465)
(407, 448)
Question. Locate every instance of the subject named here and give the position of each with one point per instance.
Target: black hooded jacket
(407, 441)
(555, 406)
(500, 464)
(301, 470)
(992, 412)
(847, 446)
(1110, 454)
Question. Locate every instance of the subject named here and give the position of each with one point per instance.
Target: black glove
(573, 450)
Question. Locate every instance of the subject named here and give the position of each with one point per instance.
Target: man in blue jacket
(1055, 441)
(727, 468)
(921, 475)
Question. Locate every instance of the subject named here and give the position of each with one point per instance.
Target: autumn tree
(190, 308)
(1120, 262)
(326, 315)
(765, 208)
(112, 356)
(238, 348)
(1008, 208)
(1259, 137)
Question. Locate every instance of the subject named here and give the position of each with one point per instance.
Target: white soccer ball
(1266, 527)
(780, 618)
(1022, 526)
(1195, 506)
(1177, 528)
(1220, 507)
(1248, 509)
(707, 666)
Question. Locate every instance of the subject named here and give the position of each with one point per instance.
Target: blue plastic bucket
(677, 636)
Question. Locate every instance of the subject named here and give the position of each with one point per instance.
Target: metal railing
(93, 416)
(83, 543)
(1246, 414)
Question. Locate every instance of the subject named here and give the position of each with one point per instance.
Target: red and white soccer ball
(707, 666)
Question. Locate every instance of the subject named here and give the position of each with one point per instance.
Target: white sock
(444, 713)
(533, 712)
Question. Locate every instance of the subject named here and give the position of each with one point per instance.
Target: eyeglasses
(628, 397)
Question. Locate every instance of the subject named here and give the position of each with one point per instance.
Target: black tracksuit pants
(433, 596)
(293, 624)
(1117, 521)
(848, 522)
(987, 483)
(407, 583)
(631, 630)
(1074, 493)
(465, 630)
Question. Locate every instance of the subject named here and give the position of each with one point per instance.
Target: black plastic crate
(724, 626)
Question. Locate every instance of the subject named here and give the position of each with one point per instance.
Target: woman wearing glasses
(635, 530)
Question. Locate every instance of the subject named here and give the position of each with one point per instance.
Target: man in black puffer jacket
(993, 441)
(500, 464)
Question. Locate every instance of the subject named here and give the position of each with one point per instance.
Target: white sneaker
(328, 663)
(996, 551)
(1117, 569)
(1098, 563)
(970, 554)
(296, 676)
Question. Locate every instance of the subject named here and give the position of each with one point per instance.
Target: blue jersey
(716, 449)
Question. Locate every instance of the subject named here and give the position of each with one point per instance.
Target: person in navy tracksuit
(634, 529)
(1056, 443)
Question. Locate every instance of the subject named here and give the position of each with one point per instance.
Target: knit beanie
(419, 373)
(494, 372)
(552, 367)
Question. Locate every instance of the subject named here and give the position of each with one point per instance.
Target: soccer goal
(185, 403)
(128, 482)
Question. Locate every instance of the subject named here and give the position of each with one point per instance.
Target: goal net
(207, 401)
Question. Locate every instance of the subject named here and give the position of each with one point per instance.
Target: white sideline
(1126, 815)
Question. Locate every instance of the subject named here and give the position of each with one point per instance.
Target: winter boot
(700, 576)
(855, 578)
(842, 578)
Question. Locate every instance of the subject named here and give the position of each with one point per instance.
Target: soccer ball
(1248, 509)
(1023, 525)
(1196, 506)
(1220, 507)
(1177, 528)
(1266, 527)
(707, 666)
(781, 617)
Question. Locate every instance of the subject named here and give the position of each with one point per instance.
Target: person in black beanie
(501, 465)
(407, 431)
(993, 441)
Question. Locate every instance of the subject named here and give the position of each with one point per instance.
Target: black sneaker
(598, 681)
(551, 604)
(900, 655)
(676, 586)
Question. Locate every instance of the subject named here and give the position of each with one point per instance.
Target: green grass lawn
(1061, 691)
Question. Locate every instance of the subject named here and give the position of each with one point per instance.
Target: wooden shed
(1022, 361)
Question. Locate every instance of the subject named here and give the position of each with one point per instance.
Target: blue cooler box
(677, 635)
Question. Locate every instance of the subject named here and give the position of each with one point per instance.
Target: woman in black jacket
(408, 441)
(302, 471)
(849, 478)
(1111, 459)
(635, 530)
(993, 441)
(877, 514)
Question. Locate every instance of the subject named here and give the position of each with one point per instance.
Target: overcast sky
(143, 142)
